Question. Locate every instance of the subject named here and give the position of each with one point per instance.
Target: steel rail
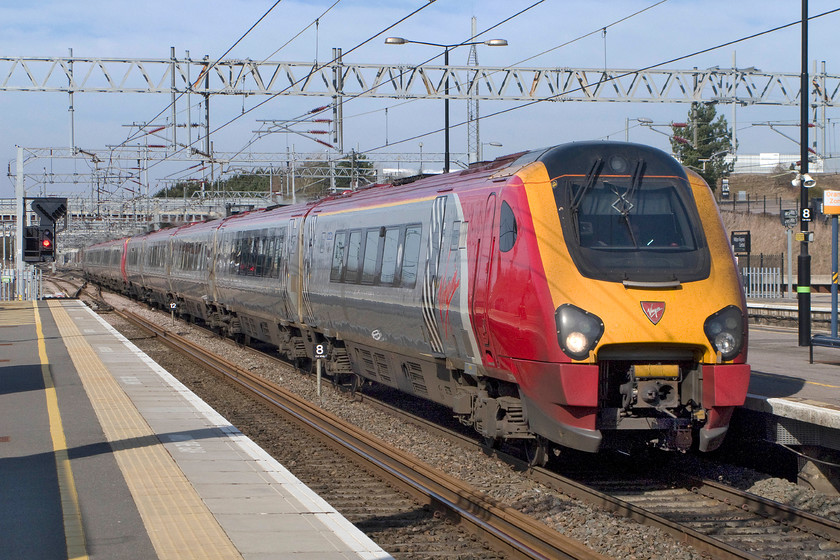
(780, 513)
(737, 498)
(589, 495)
(509, 530)
(770, 509)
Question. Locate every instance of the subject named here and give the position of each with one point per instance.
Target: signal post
(39, 241)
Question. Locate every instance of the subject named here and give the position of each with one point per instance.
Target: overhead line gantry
(747, 86)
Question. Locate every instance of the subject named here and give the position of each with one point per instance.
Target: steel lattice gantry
(248, 77)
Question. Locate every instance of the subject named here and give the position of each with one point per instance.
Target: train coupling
(679, 439)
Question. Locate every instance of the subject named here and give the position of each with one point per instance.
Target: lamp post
(711, 157)
(447, 48)
(644, 121)
(481, 149)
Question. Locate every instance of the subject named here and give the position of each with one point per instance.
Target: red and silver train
(583, 295)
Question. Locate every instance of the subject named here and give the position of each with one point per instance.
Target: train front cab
(648, 354)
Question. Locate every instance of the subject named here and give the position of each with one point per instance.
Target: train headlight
(725, 330)
(578, 331)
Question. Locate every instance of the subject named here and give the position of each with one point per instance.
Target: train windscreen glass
(633, 229)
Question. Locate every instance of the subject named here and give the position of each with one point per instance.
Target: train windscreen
(633, 228)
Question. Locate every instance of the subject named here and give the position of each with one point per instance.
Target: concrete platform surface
(103, 454)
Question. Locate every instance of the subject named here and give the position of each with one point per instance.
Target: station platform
(781, 369)
(103, 454)
(794, 391)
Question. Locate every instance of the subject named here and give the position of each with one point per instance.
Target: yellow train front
(618, 308)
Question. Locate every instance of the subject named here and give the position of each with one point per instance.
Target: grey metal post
(789, 232)
(446, 112)
(834, 276)
(189, 112)
(174, 99)
(20, 216)
(803, 285)
(70, 109)
(318, 362)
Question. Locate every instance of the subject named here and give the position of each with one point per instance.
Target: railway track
(510, 533)
(718, 520)
(785, 313)
(722, 521)
(714, 518)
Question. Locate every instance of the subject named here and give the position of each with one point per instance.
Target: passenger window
(371, 256)
(389, 256)
(455, 237)
(280, 250)
(339, 251)
(411, 257)
(354, 257)
(507, 228)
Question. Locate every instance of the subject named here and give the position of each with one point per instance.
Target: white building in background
(769, 162)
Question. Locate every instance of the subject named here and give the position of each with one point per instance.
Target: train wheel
(536, 451)
(356, 383)
(490, 442)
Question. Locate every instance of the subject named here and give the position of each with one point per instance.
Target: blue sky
(148, 29)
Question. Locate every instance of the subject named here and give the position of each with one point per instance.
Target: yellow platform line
(178, 522)
(74, 534)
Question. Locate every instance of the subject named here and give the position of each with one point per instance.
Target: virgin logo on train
(654, 310)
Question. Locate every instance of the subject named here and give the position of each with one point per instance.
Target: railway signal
(46, 243)
(31, 244)
(39, 243)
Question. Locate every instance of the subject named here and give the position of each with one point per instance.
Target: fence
(758, 204)
(30, 284)
(762, 275)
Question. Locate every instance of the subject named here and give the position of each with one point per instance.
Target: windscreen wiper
(591, 178)
(624, 202)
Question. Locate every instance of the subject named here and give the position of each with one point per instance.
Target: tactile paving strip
(177, 520)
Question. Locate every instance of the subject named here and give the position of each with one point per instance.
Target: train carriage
(372, 265)
(104, 263)
(256, 270)
(583, 295)
(148, 266)
(192, 280)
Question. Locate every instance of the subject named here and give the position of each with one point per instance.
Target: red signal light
(46, 243)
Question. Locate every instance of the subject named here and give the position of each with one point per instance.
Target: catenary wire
(270, 98)
(507, 19)
(207, 69)
(609, 79)
(565, 44)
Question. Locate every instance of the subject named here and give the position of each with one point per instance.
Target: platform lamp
(447, 48)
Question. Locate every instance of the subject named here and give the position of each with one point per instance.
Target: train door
(481, 276)
(123, 255)
(283, 236)
(310, 237)
(431, 275)
(293, 274)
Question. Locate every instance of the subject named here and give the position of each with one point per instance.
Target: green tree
(256, 181)
(702, 143)
(358, 167)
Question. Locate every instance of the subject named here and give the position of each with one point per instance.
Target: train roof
(575, 158)
(109, 243)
